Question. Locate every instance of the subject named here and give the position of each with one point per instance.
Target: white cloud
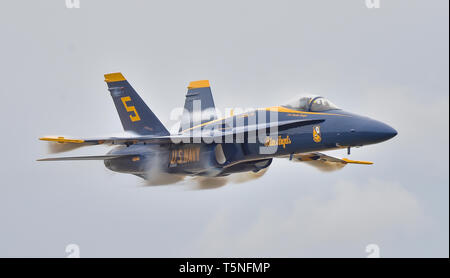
(352, 213)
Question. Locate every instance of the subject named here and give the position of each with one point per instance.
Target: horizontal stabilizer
(95, 157)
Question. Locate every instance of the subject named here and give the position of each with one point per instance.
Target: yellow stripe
(61, 140)
(274, 109)
(357, 162)
(207, 123)
(114, 77)
(287, 110)
(198, 84)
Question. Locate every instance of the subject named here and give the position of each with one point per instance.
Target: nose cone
(376, 132)
(388, 132)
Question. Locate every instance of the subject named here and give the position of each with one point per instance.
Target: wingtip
(357, 161)
(61, 140)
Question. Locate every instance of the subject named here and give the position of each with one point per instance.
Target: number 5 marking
(134, 118)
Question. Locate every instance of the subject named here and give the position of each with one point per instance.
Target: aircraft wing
(108, 140)
(194, 136)
(323, 157)
(324, 162)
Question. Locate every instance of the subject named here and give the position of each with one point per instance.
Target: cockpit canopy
(311, 104)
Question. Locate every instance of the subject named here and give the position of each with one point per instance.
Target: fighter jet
(210, 146)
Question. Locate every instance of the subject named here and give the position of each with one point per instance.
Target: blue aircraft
(211, 146)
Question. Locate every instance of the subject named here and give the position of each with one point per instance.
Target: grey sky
(389, 63)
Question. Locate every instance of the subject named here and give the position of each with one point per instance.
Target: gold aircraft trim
(274, 109)
(61, 140)
(357, 161)
(198, 84)
(288, 110)
(114, 77)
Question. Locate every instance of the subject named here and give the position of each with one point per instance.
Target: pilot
(311, 103)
